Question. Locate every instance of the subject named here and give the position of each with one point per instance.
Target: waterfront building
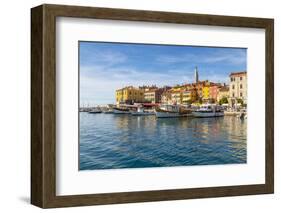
(214, 91)
(176, 95)
(238, 87)
(196, 89)
(166, 97)
(223, 93)
(206, 93)
(129, 95)
(193, 93)
(189, 95)
(199, 87)
(186, 96)
(150, 94)
(153, 94)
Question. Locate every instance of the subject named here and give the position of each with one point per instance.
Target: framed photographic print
(136, 106)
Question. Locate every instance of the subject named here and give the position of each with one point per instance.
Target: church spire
(196, 76)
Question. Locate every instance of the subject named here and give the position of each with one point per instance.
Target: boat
(208, 111)
(140, 112)
(95, 110)
(242, 115)
(231, 113)
(119, 110)
(172, 111)
(109, 111)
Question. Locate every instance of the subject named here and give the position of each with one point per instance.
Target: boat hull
(116, 111)
(207, 114)
(231, 113)
(108, 112)
(142, 113)
(167, 114)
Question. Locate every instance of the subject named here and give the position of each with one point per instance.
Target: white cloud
(98, 83)
(107, 57)
(236, 58)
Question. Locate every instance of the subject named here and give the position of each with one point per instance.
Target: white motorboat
(171, 111)
(95, 110)
(140, 112)
(206, 111)
(242, 115)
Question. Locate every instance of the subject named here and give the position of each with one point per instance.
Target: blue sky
(105, 67)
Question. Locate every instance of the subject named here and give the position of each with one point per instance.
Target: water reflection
(110, 141)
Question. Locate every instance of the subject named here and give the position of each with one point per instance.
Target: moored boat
(95, 110)
(231, 113)
(118, 110)
(206, 111)
(108, 112)
(242, 115)
(172, 111)
(140, 112)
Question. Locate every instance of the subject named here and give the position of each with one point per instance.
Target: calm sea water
(109, 141)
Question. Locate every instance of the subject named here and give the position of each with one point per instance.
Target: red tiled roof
(238, 73)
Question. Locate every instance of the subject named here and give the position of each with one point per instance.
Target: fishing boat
(140, 112)
(121, 110)
(95, 110)
(172, 111)
(208, 111)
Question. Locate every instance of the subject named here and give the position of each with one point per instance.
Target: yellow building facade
(186, 97)
(223, 93)
(176, 95)
(129, 95)
(206, 92)
(180, 95)
(193, 94)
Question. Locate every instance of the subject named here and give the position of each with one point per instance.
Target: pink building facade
(214, 91)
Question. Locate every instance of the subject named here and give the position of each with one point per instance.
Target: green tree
(240, 101)
(223, 101)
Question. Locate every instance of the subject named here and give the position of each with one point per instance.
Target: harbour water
(109, 141)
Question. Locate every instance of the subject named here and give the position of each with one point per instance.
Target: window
(241, 78)
(233, 87)
(241, 86)
(241, 95)
(233, 95)
(231, 79)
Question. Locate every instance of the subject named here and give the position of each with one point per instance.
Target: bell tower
(196, 76)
